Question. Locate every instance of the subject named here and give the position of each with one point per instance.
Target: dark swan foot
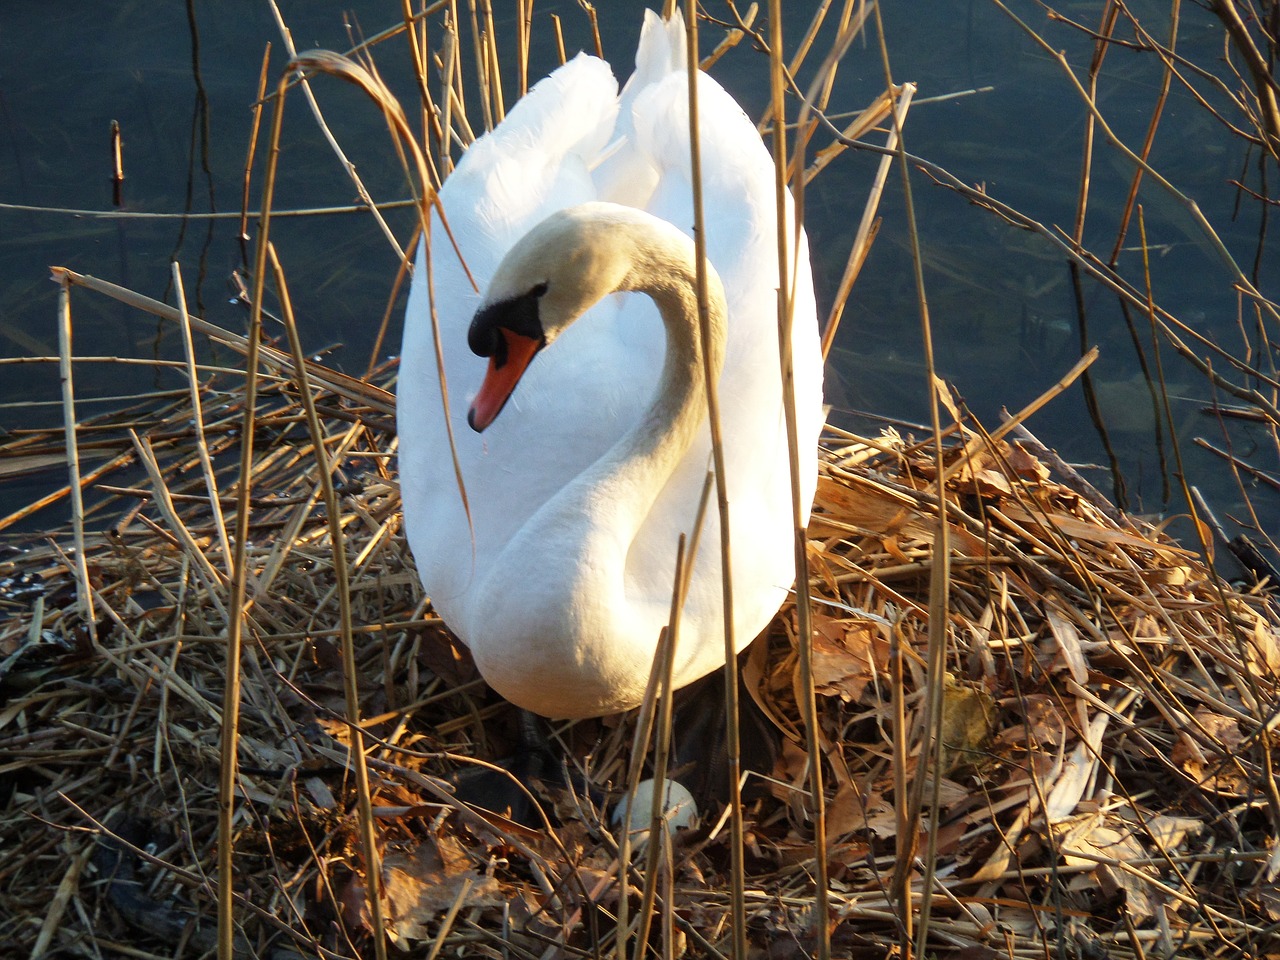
(516, 786)
(699, 748)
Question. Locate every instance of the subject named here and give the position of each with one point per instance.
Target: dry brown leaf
(756, 673)
(847, 654)
(950, 836)
(1067, 638)
(967, 713)
(1067, 790)
(1105, 843)
(1040, 724)
(948, 400)
(889, 513)
(1076, 529)
(1024, 464)
(868, 505)
(894, 550)
(988, 482)
(1269, 898)
(846, 812)
(1211, 765)
(1175, 576)
(445, 657)
(1225, 731)
(882, 821)
(1146, 627)
(1263, 649)
(982, 472)
(1169, 832)
(421, 884)
(820, 566)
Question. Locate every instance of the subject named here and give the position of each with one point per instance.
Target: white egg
(680, 810)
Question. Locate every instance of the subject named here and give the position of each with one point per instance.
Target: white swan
(561, 582)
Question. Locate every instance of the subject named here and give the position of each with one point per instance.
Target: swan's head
(550, 278)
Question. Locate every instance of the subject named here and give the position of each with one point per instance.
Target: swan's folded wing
(740, 220)
(739, 211)
(535, 162)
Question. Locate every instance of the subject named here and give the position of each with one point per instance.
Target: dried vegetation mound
(1104, 734)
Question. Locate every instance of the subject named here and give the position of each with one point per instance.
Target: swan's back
(571, 140)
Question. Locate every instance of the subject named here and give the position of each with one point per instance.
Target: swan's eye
(537, 291)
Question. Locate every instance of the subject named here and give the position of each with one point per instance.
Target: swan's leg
(512, 791)
(699, 758)
(699, 749)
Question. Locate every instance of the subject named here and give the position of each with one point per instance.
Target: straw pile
(1104, 740)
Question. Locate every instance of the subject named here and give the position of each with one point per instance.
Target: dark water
(1008, 319)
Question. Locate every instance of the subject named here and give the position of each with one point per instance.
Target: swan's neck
(560, 614)
(634, 471)
(584, 533)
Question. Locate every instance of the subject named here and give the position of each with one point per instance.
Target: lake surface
(1008, 318)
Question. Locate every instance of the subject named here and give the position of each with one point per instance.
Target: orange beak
(501, 378)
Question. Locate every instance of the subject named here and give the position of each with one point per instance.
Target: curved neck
(584, 533)
(635, 469)
(571, 558)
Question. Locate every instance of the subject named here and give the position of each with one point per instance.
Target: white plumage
(561, 616)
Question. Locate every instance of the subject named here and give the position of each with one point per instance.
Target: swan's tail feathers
(625, 172)
(661, 51)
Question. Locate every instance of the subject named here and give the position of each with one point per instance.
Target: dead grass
(1106, 747)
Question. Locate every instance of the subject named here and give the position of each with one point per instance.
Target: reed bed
(1068, 750)
(1106, 741)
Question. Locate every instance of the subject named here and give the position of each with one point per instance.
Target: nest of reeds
(1097, 769)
